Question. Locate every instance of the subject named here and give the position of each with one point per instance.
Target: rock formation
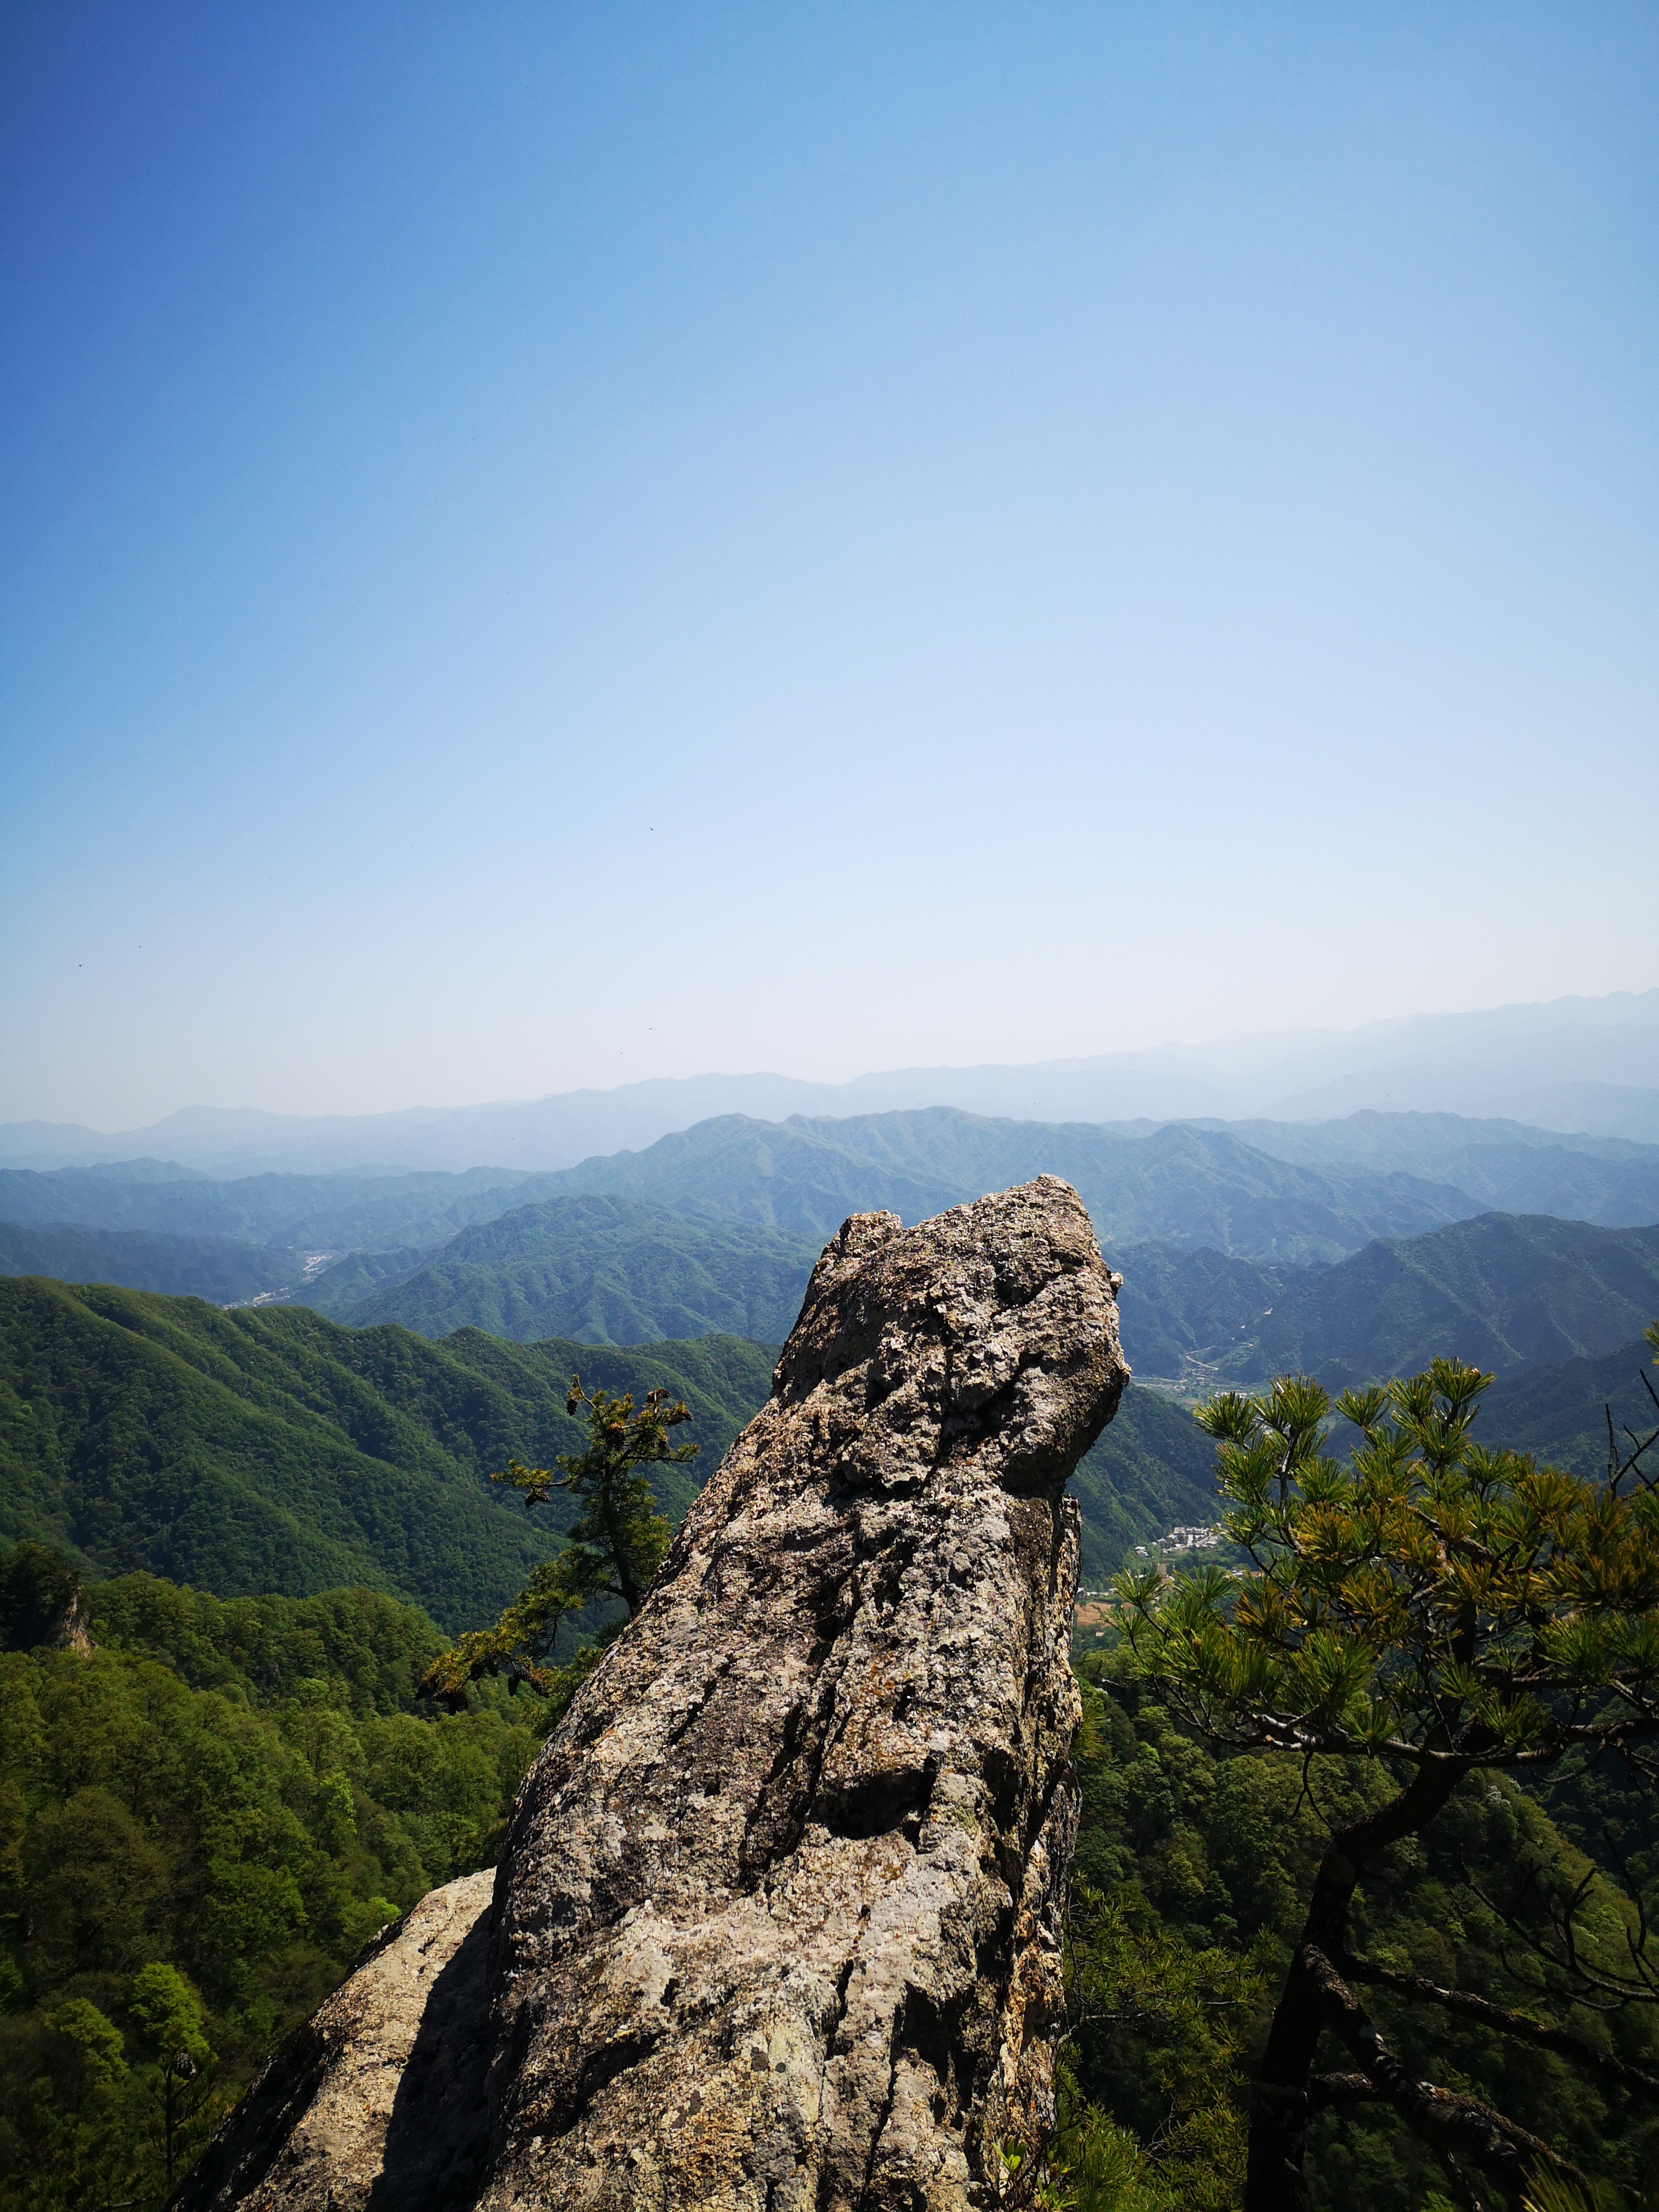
(777, 1922)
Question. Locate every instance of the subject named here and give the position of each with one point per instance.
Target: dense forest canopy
(237, 1795)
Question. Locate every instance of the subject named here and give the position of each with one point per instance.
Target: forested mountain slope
(1501, 1291)
(222, 1268)
(1501, 1165)
(1185, 1186)
(331, 1212)
(1559, 1413)
(230, 1799)
(275, 1449)
(1278, 1192)
(271, 1449)
(1184, 1315)
(598, 1270)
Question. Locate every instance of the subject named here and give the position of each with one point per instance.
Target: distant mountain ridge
(1179, 1183)
(1573, 1064)
(1501, 1165)
(593, 1270)
(1292, 1195)
(223, 1269)
(1502, 1291)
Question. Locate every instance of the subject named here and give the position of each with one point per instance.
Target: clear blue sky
(554, 544)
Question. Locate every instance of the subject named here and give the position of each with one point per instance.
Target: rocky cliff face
(777, 1924)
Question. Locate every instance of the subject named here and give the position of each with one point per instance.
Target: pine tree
(1442, 1610)
(616, 1545)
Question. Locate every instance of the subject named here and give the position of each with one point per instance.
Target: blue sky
(552, 544)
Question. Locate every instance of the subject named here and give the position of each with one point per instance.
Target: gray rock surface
(396, 2053)
(777, 1925)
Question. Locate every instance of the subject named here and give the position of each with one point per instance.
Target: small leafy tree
(167, 2014)
(1443, 1610)
(617, 1543)
(76, 2131)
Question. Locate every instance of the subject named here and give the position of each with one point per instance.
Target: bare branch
(1343, 2089)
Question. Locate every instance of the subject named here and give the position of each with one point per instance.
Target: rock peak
(777, 1925)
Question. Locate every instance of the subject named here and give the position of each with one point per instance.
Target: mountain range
(1272, 1192)
(393, 1337)
(597, 1270)
(277, 1450)
(1502, 1291)
(274, 1450)
(1573, 1064)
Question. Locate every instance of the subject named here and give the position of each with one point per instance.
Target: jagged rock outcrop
(777, 1923)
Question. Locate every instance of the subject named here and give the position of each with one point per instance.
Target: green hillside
(272, 1449)
(596, 1270)
(1184, 1185)
(1504, 1165)
(1152, 1470)
(232, 1798)
(1559, 1414)
(1500, 1292)
(220, 1269)
(1184, 1313)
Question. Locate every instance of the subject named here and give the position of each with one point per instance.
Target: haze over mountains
(1500, 1292)
(1189, 1183)
(285, 1449)
(1590, 1065)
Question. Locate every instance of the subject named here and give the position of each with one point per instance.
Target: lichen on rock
(778, 1921)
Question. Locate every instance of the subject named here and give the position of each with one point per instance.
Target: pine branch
(1446, 2122)
(1520, 2024)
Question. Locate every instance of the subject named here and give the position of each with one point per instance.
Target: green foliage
(616, 1542)
(1157, 2023)
(167, 2017)
(270, 1449)
(1201, 1861)
(1430, 1600)
(1501, 1292)
(1427, 1613)
(357, 1650)
(201, 1823)
(1151, 1469)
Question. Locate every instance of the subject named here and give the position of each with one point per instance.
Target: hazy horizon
(551, 548)
(1574, 1065)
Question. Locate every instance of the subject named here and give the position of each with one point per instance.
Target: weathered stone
(395, 2052)
(777, 1923)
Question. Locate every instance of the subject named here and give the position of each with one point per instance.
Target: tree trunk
(1278, 2128)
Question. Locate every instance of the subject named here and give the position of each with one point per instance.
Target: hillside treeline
(203, 1818)
(242, 1793)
